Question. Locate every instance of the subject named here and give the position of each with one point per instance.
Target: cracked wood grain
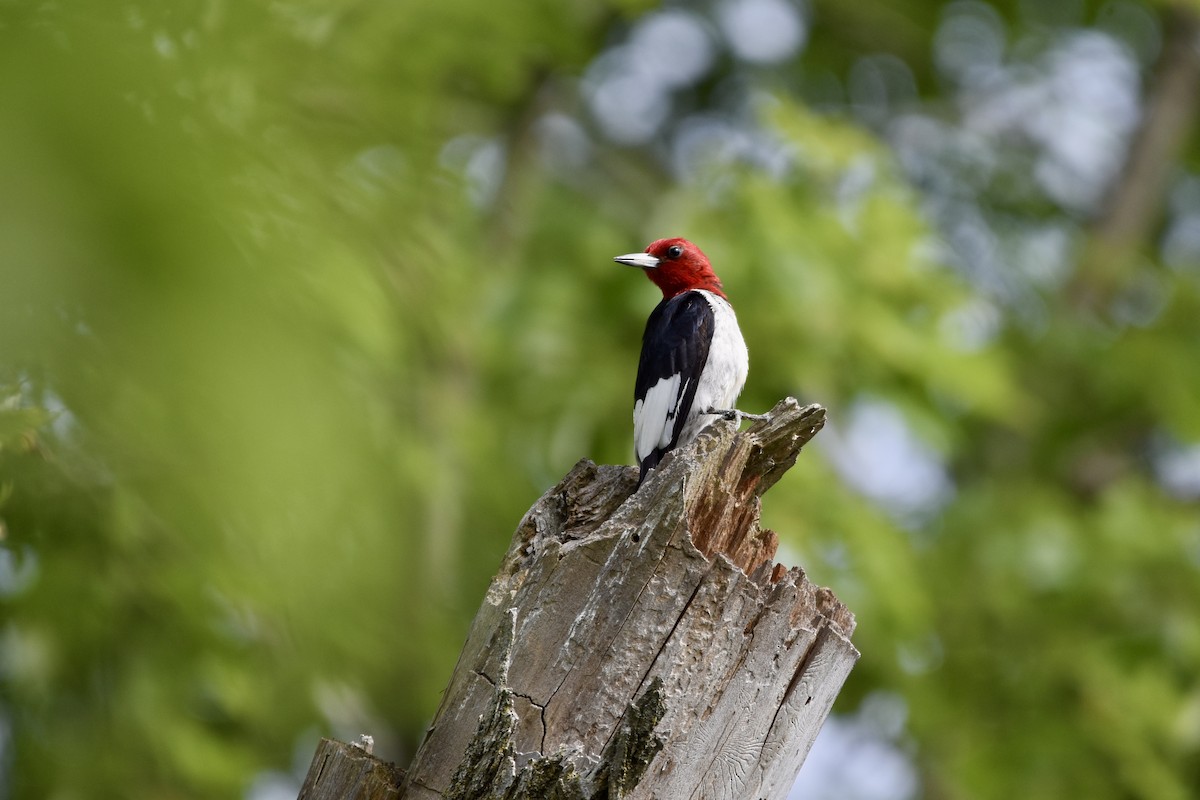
(646, 645)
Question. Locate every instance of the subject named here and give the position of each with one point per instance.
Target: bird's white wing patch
(654, 416)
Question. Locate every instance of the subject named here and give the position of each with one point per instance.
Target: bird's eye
(674, 251)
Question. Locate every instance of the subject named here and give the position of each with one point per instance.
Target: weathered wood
(645, 645)
(348, 772)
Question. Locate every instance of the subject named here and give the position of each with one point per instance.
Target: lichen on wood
(633, 747)
(488, 770)
(488, 763)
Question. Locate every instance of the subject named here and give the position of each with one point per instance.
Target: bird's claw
(735, 416)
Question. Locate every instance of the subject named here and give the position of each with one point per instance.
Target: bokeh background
(302, 304)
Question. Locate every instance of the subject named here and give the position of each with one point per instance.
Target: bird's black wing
(674, 352)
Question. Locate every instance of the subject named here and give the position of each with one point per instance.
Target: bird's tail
(649, 463)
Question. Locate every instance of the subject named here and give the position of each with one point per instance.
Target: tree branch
(1134, 203)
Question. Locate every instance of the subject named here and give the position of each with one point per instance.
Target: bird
(694, 360)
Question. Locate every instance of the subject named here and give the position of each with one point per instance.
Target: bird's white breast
(724, 373)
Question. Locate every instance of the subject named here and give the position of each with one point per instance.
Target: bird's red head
(676, 266)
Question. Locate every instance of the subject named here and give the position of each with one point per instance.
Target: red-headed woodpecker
(694, 360)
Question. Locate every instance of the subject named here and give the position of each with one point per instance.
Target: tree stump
(644, 644)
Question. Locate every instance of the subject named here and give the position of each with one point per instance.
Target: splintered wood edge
(731, 470)
(778, 440)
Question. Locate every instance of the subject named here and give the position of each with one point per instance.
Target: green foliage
(279, 378)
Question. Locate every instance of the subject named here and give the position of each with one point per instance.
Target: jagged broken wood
(645, 645)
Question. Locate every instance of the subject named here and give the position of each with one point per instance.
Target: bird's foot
(735, 416)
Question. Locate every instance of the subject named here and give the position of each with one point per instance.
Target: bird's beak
(643, 260)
